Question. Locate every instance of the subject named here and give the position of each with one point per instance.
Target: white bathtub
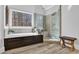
(20, 35)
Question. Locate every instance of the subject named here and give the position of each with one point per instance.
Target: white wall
(70, 22)
(27, 8)
(1, 29)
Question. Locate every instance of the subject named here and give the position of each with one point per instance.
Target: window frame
(10, 19)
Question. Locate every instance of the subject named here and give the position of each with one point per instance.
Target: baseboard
(2, 50)
(54, 39)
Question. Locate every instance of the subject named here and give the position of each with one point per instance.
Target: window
(20, 19)
(39, 21)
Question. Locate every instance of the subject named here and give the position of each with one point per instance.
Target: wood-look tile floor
(46, 47)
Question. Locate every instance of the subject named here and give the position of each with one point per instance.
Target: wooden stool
(69, 41)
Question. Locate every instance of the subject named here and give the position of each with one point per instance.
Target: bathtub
(17, 40)
(20, 35)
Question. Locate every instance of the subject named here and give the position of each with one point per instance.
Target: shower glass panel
(55, 25)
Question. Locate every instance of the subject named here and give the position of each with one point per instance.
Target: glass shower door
(55, 25)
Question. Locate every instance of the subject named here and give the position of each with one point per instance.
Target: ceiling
(46, 7)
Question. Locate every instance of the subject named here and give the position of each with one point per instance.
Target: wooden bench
(68, 42)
